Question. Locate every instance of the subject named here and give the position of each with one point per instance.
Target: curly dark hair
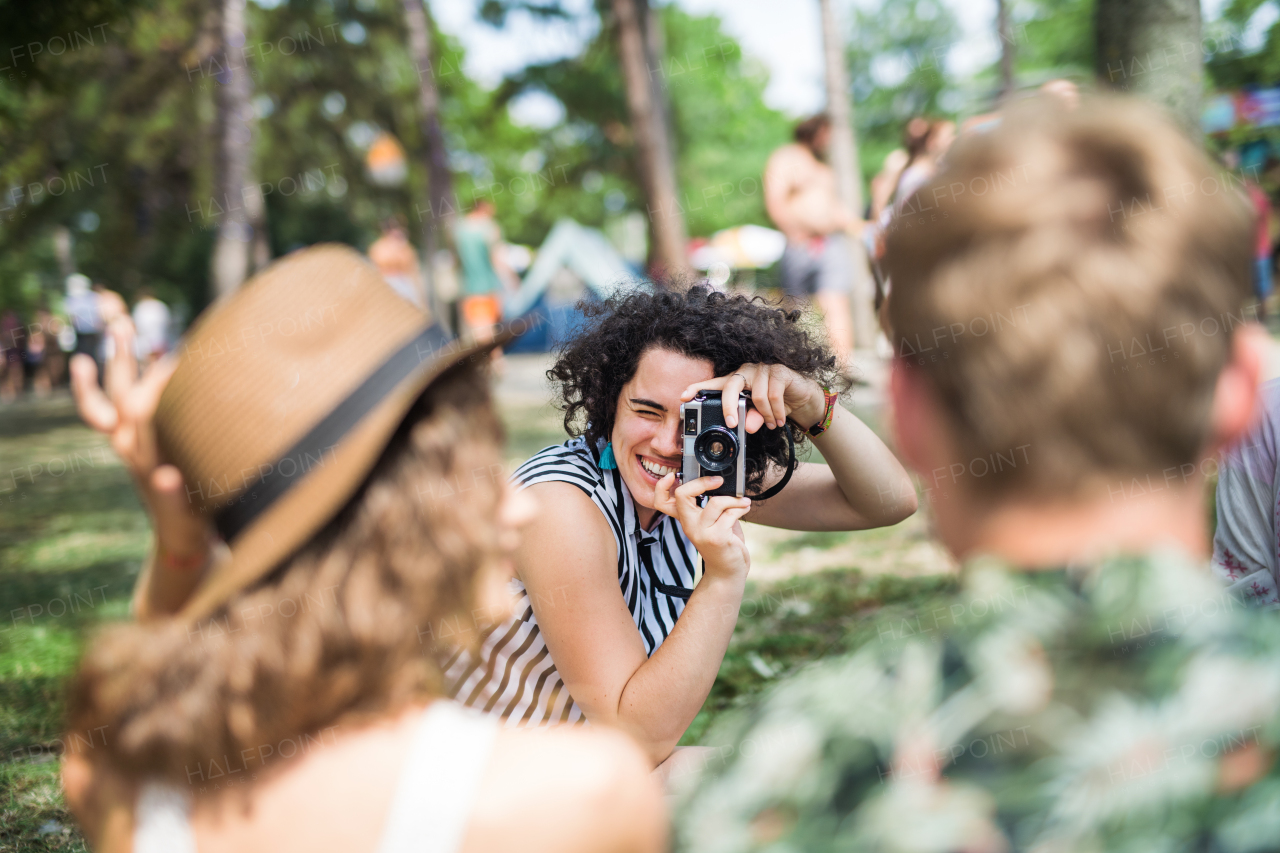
(728, 331)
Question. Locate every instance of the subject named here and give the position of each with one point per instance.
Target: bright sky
(784, 34)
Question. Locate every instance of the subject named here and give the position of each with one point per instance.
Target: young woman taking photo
(279, 698)
(609, 626)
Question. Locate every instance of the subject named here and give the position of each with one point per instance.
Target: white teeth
(655, 470)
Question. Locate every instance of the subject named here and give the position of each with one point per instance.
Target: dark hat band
(275, 479)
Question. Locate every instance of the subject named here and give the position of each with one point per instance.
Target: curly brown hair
(698, 322)
(334, 636)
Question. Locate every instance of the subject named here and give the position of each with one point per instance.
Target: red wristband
(829, 410)
(183, 564)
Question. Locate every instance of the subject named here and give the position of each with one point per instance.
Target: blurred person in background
(486, 276)
(84, 309)
(1091, 686)
(395, 258)
(914, 134)
(924, 159)
(44, 355)
(1246, 542)
(275, 694)
(13, 346)
(801, 198)
(151, 323)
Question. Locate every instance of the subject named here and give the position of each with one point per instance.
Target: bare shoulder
(568, 790)
(101, 801)
(787, 159)
(552, 494)
(563, 507)
(895, 161)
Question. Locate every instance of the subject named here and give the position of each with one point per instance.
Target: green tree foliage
(723, 130)
(97, 135)
(897, 63)
(1053, 38)
(112, 139)
(898, 60)
(1233, 64)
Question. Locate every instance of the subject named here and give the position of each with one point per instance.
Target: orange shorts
(481, 310)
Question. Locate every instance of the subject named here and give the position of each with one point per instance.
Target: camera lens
(716, 449)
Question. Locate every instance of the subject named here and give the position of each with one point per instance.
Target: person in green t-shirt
(485, 272)
(1070, 356)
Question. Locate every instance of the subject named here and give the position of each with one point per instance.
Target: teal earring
(607, 462)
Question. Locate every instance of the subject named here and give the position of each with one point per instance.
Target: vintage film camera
(710, 447)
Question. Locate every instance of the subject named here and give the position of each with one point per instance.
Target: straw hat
(284, 397)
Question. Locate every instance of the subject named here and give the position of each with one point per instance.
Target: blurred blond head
(1072, 282)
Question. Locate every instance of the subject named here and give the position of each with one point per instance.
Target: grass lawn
(72, 536)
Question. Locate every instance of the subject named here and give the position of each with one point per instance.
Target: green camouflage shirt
(1133, 705)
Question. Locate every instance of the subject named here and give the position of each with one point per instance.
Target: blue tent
(590, 256)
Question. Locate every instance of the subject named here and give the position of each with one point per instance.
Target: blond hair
(334, 636)
(1069, 284)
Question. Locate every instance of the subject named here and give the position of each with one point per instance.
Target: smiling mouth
(654, 469)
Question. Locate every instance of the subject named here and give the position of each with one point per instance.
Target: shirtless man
(800, 196)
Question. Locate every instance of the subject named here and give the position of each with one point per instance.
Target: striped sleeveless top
(513, 674)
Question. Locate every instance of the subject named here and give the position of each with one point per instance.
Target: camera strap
(786, 477)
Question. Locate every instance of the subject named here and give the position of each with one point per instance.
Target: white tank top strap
(441, 777)
(162, 820)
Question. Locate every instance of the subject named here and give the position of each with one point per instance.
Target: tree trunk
(1003, 32)
(655, 48)
(62, 245)
(1151, 48)
(667, 231)
(844, 162)
(438, 221)
(256, 211)
(233, 166)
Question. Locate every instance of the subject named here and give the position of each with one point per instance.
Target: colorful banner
(1229, 110)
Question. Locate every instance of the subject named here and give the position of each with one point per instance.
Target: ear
(1235, 397)
(915, 417)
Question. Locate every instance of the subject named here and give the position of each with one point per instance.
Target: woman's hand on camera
(125, 412)
(715, 529)
(777, 393)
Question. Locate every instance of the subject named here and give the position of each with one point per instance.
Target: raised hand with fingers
(714, 528)
(777, 393)
(124, 410)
